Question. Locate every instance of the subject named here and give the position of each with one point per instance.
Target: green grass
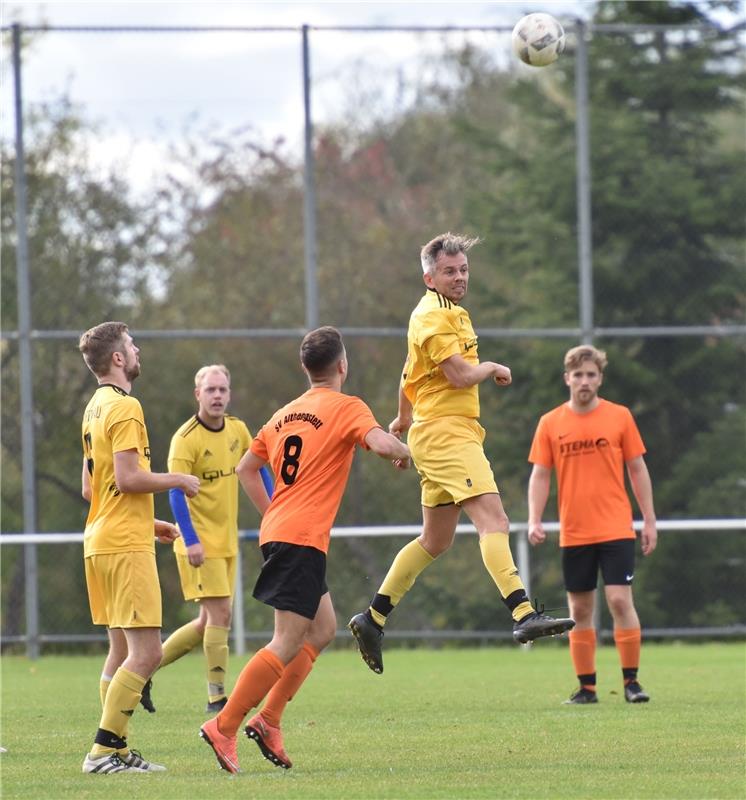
(459, 723)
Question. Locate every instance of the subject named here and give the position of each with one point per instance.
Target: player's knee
(502, 523)
(221, 619)
(619, 605)
(435, 546)
(155, 656)
(323, 637)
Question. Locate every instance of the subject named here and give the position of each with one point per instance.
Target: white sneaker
(107, 765)
(136, 761)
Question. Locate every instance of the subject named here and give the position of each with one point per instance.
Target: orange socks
(583, 654)
(287, 687)
(256, 679)
(628, 642)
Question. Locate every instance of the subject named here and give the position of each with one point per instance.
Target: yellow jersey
(438, 329)
(117, 522)
(211, 455)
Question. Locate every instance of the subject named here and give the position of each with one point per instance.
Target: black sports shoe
(581, 697)
(634, 693)
(368, 638)
(146, 701)
(216, 705)
(537, 624)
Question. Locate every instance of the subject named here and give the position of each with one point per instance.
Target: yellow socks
(410, 561)
(103, 688)
(498, 559)
(180, 642)
(121, 701)
(215, 645)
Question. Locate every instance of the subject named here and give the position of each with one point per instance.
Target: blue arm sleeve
(267, 480)
(180, 510)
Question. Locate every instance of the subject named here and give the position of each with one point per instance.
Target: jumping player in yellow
(121, 576)
(439, 407)
(209, 445)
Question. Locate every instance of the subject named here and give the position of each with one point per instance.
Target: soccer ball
(538, 39)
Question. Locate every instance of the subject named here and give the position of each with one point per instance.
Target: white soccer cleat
(135, 760)
(107, 765)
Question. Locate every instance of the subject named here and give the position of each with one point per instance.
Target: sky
(144, 89)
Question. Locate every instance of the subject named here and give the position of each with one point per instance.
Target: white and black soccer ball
(538, 39)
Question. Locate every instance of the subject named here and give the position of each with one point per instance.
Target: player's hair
(449, 243)
(575, 356)
(202, 371)
(321, 349)
(98, 345)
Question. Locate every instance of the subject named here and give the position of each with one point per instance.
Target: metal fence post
(585, 236)
(583, 185)
(25, 364)
(239, 629)
(309, 195)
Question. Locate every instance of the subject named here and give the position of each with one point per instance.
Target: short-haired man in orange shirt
(309, 444)
(589, 441)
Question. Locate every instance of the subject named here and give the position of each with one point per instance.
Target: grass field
(444, 723)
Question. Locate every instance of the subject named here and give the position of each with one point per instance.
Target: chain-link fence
(607, 188)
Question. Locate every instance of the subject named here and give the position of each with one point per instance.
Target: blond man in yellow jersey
(208, 445)
(121, 576)
(439, 408)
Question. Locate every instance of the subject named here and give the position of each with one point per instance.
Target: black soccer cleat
(216, 706)
(537, 624)
(368, 637)
(581, 697)
(634, 693)
(146, 701)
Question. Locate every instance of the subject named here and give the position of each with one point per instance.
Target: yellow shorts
(216, 577)
(449, 456)
(123, 590)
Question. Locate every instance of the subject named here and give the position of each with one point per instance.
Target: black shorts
(616, 560)
(292, 578)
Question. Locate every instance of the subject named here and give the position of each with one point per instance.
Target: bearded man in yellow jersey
(121, 576)
(208, 445)
(439, 408)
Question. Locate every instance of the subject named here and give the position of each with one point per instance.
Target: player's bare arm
(251, 480)
(462, 375)
(642, 486)
(387, 445)
(403, 422)
(165, 532)
(130, 479)
(538, 494)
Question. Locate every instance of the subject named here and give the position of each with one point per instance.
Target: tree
(667, 230)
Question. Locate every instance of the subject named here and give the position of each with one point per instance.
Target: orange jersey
(589, 452)
(309, 444)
